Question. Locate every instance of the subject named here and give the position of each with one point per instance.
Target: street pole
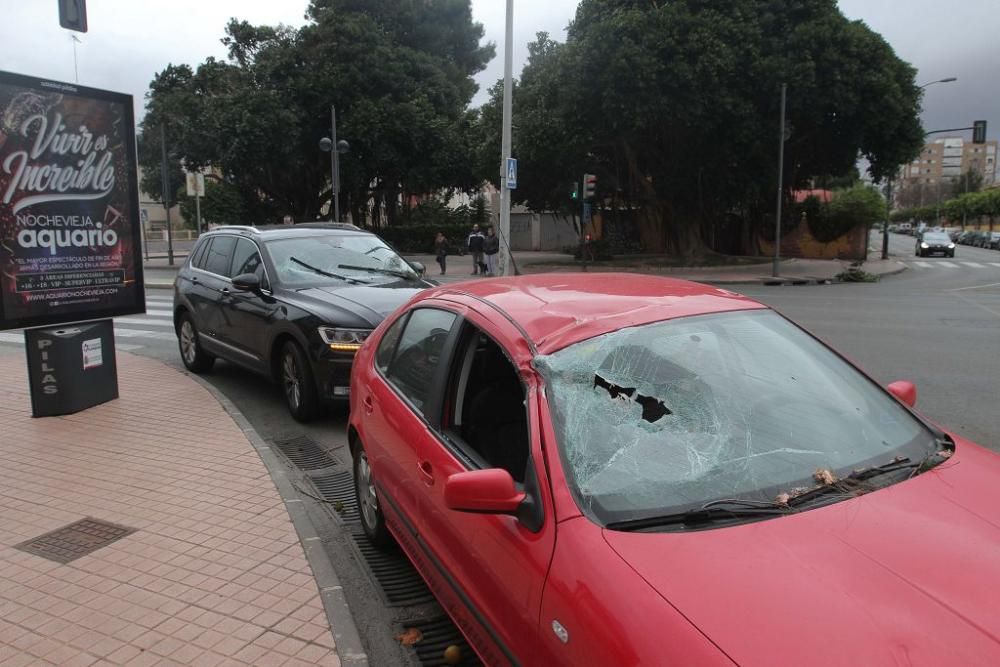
(781, 177)
(965, 214)
(334, 165)
(508, 60)
(76, 71)
(885, 223)
(166, 195)
(197, 206)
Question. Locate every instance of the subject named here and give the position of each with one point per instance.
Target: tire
(194, 357)
(297, 383)
(369, 509)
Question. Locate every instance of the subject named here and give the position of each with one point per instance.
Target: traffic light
(589, 185)
(73, 15)
(979, 132)
(575, 194)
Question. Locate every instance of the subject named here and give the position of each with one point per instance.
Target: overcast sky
(130, 40)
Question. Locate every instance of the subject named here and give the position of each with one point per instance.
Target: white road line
(974, 265)
(950, 265)
(141, 333)
(145, 322)
(161, 313)
(923, 265)
(995, 264)
(962, 289)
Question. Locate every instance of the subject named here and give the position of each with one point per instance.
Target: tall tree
(400, 75)
(675, 105)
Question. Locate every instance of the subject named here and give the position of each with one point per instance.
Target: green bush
(859, 206)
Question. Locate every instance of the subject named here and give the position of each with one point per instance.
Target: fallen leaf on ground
(410, 637)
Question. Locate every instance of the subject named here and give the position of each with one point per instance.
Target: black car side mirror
(247, 282)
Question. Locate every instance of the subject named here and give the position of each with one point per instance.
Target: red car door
(491, 567)
(395, 396)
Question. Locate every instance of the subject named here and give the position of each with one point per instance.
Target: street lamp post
(328, 144)
(781, 175)
(505, 143)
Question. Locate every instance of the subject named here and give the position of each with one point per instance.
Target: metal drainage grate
(390, 570)
(438, 635)
(305, 453)
(75, 540)
(338, 489)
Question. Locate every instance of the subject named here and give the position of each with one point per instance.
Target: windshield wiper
(324, 273)
(372, 269)
(702, 516)
(904, 463)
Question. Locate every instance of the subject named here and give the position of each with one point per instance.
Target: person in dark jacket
(441, 251)
(475, 245)
(491, 247)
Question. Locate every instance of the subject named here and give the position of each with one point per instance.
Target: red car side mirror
(905, 391)
(489, 491)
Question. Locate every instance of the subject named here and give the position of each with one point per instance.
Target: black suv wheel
(194, 357)
(297, 382)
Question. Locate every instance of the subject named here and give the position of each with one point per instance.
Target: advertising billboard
(69, 204)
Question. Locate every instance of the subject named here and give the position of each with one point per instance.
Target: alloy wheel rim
(366, 493)
(291, 376)
(187, 342)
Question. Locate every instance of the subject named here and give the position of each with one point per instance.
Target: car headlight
(951, 246)
(344, 340)
(924, 245)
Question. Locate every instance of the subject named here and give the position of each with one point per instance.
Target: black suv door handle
(194, 279)
(224, 290)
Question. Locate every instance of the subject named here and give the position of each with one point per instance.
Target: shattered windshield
(666, 417)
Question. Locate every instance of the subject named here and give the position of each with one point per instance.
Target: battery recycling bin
(71, 367)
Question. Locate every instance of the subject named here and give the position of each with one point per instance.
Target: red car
(606, 469)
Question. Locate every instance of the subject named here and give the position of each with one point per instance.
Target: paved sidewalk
(214, 573)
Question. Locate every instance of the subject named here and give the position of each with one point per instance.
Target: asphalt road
(936, 324)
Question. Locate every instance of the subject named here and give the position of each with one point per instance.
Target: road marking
(995, 264)
(975, 265)
(962, 289)
(923, 265)
(141, 333)
(950, 265)
(145, 321)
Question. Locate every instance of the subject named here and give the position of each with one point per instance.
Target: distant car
(291, 303)
(978, 239)
(610, 469)
(905, 228)
(964, 238)
(935, 243)
(992, 240)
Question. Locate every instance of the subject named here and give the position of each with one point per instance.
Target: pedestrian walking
(288, 220)
(475, 245)
(491, 246)
(441, 251)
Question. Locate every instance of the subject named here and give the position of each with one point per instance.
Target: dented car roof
(559, 309)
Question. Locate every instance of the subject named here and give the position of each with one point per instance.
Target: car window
(485, 411)
(199, 254)
(387, 346)
(418, 354)
(246, 259)
(219, 254)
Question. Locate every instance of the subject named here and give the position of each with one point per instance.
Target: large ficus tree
(674, 104)
(399, 72)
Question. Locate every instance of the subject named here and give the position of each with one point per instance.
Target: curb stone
(346, 638)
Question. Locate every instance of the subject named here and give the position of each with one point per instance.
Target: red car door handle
(427, 472)
(369, 404)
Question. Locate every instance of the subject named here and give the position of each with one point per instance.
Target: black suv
(292, 303)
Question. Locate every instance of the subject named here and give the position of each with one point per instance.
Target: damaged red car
(622, 470)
